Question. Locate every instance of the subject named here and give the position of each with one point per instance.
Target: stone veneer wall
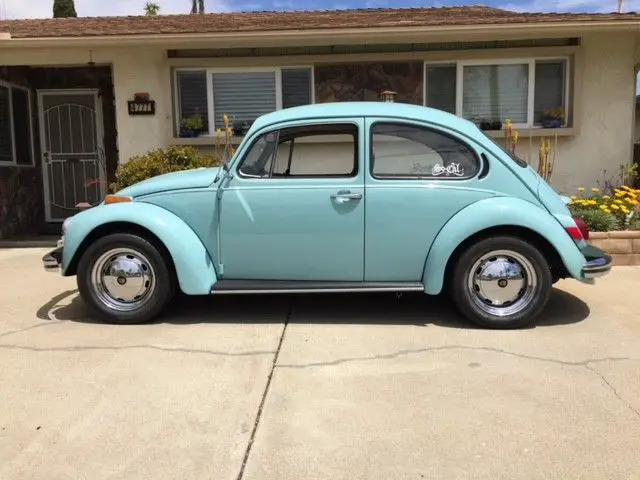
(365, 81)
(21, 201)
(623, 246)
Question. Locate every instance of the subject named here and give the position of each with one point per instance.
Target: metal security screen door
(73, 163)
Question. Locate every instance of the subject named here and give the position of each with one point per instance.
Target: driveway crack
(137, 347)
(256, 423)
(405, 352)
(610, 386)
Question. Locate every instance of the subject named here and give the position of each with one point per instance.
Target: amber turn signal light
(109, 199)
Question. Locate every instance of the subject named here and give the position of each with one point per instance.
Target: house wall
(21, 200)
(604, 93)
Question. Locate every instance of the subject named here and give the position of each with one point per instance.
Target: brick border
(622, 245)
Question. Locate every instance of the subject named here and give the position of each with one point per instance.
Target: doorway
(72, 149)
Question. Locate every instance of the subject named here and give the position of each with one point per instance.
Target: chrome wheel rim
(502, 283)
(123, 279)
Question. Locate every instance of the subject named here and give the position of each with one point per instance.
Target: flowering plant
(621, 210)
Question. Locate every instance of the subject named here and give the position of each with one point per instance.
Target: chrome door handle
(345, 196)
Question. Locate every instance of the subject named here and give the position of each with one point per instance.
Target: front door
(294, 209)
(71, 139)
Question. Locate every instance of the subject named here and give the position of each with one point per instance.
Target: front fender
(194, 267)
(496, 212)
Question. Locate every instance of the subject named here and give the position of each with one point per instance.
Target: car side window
(324, 150)
(409, 151)
(257, 162)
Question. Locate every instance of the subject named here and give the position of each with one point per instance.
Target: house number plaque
(147, 107)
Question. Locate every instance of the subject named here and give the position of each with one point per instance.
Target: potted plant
(553, 117)
(241, 127)
(490, 124)
(192, 126)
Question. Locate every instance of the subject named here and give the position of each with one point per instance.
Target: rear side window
(409, 151)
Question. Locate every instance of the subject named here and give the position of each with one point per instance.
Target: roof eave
(286, 36)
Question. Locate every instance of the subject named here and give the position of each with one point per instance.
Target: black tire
(466, 292)
(162, 291)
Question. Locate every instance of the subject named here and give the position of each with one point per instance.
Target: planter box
(623, 245)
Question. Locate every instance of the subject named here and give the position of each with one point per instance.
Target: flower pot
(552, 123)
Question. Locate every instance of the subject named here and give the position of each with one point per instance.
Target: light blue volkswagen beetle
(343, 197)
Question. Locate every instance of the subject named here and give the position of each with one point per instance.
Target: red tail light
(583, 227)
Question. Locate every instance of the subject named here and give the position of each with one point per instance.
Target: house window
(16, 147)
(243, 95)
(526, 92)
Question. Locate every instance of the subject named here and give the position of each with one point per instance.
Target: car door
(294, 209)
(418, 177)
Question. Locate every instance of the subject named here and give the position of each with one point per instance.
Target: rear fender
(497, 212)
(194, 267)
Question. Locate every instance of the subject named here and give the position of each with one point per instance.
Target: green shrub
(158, 162)
(596, 220)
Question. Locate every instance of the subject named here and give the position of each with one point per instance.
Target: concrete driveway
(316, 387)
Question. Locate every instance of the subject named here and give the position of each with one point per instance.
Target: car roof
(366, 109)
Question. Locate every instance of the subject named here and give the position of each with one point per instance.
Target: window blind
(243, 96)
(495, 92)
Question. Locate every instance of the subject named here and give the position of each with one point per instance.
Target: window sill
(16, 165)
(535, 132)
(203, 141)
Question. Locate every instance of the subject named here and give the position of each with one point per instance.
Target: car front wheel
(501, 282)
(125, 278)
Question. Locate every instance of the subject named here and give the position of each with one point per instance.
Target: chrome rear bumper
(598, 263)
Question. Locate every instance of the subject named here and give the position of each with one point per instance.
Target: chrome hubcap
(502, 283)
(123, 279)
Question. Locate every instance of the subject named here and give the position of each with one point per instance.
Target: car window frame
(419, 125)
(316, 123)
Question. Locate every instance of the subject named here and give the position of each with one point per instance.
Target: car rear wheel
(501, 282)
(126, 279)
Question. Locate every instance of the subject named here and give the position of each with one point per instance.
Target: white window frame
(530, 61)
(209, 71)
(14, 162)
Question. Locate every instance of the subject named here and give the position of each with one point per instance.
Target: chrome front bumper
(598, 263)
(52, 260)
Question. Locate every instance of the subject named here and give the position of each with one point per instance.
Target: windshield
(511, 155)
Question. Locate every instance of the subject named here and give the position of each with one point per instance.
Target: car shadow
(358, 308)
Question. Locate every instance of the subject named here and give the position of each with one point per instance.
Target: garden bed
(622, 245)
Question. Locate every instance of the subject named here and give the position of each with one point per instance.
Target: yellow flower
(595, 190)
(619, 194)
(606, 197)
(618, 201)
(606, 210)
(573, 197)
(615, 207)
(624, 210)
(581, 189)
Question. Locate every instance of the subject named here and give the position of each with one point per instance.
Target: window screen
(296, 87)
(441, 87)
(550, 84)
(192, 95)
(6, 151)
(22, 126)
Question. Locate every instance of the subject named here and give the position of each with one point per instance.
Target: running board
(283, 286)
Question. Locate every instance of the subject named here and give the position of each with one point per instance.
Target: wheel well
(118, 227)
(558, 269)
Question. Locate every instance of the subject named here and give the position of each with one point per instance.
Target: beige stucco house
(66, 120)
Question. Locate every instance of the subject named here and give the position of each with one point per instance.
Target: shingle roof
(299, 20)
